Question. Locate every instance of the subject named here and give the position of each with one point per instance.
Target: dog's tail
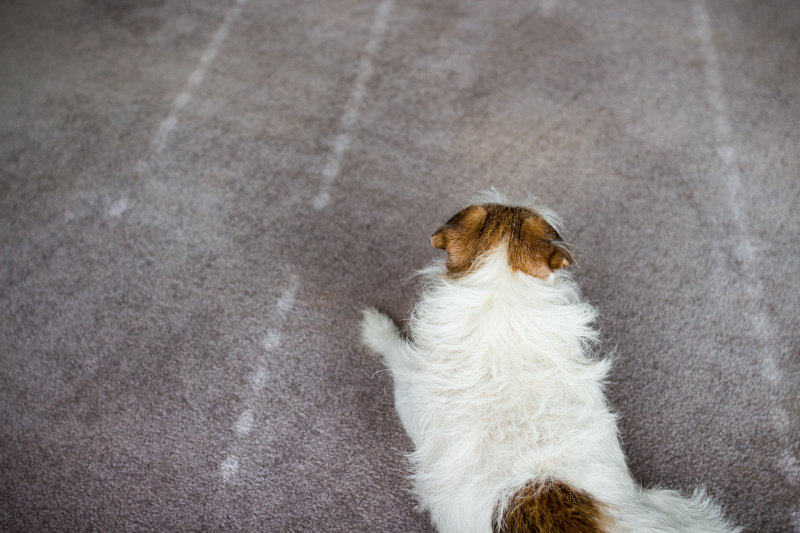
(550, 506)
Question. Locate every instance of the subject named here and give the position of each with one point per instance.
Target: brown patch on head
(534, 247)
(552, 506)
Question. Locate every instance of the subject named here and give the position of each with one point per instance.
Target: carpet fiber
(196, 199)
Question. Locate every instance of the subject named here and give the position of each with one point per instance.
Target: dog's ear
(459, 237)
(561, 257)
(542, 250)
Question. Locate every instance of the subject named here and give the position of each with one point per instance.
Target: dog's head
(532, 244)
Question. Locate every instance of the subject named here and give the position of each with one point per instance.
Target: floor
(197, 198)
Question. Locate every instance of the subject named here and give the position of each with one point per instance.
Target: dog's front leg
(380, 334)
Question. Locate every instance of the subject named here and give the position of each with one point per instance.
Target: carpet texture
(196, 199)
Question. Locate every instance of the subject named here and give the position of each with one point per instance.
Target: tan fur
(534, 247)
(552, 506)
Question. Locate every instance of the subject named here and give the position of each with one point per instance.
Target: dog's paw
(378, 331)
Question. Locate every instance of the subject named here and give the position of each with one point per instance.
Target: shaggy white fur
(498, 386)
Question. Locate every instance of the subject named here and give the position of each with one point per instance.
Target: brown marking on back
(553, 506)
(533, 246)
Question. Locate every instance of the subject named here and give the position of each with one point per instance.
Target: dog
(500, 389)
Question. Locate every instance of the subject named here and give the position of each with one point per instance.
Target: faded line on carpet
(271, 340)
(119, 207)
(333, 166)
(746, 251)
(169, 124)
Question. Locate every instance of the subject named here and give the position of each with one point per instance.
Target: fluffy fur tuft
(499, 390)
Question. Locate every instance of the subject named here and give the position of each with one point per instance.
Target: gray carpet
(196, 199)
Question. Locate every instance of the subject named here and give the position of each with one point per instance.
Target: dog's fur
(502, 396)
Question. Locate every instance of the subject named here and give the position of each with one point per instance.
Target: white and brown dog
(502, 396)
